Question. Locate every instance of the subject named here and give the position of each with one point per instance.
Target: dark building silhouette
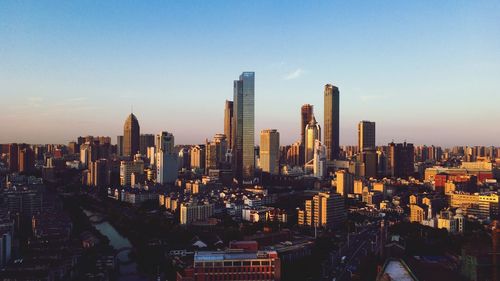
(13, 157)
(145, 141)
(401, 159)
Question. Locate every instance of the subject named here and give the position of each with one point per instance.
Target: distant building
(166, 159)
(128, 169)
(228, 123)
(192, 212)
(244, 127)
(198, 157)
(313, 133)
(324, 210)
(131, 136)
(401, 159)
(145, 141)
(345, 183)
(269, 151)
(215, 153)
(332, 121)
(366, 136)
(306, 115)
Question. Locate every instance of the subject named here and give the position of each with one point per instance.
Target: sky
(427, 72)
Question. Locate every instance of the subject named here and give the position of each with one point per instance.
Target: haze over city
(425, 73)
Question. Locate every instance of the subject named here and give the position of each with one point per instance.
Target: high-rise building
(98, 173)
(228, 122)
(166, 158)
(345, 183)
(293, 154)
(366, 136)
(129, 170)
(119, 145)
(26, 159)
(319, 160)
(13, 157)
(332, 119)
(131, 136)
(401, 159)
(313, 133)
(269, 151)
(306, 115)
(325, 209)
(215, 153)
(198, 157)
(145, 141)
(244, 127)
(191, 212)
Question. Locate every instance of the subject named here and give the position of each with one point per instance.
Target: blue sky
(425, 71)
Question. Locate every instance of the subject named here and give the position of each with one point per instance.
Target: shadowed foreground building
(233, 265)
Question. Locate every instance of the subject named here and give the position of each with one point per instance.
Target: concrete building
(332, 121)
(128, 168)
(244, 128)
(269, 151)
(313, 133)
(228, 123)
(166, 158)
(131, 136)
(345, 183)
(192, 212)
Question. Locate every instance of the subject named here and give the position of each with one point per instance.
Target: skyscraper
(401, 159)
(228, 122)
(306, 115)
(332, 115)
(215, 152)
(166, 158)
(313, 133)
(145, 141)
(366, 136)
(244, 127)
(119, 145)
(270, 151)
(131, 136)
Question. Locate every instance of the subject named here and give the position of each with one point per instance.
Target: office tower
(244, 127)
(13, 157)
(166, 158)
(119, 145)
(215, 153)
(369, 159)
(325, 209)
(332, 118)
(129, 170)
(319, 160)
(228, 122)
(366, 136)
(73, 147)
(26, 201)
(345, 183)
(26, 159)
(313, 133)
(198, 157)
(269, 151)
(145, 141)
(98, 173)
(401, 159)
(131, 136)
(184, 159)
(306, 115)
(293, 154)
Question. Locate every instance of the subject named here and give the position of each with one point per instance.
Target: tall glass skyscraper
(331, 128)
(244, 127)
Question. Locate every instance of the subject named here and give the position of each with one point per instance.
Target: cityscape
(288, 192)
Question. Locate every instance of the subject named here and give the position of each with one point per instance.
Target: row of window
(232, 263)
